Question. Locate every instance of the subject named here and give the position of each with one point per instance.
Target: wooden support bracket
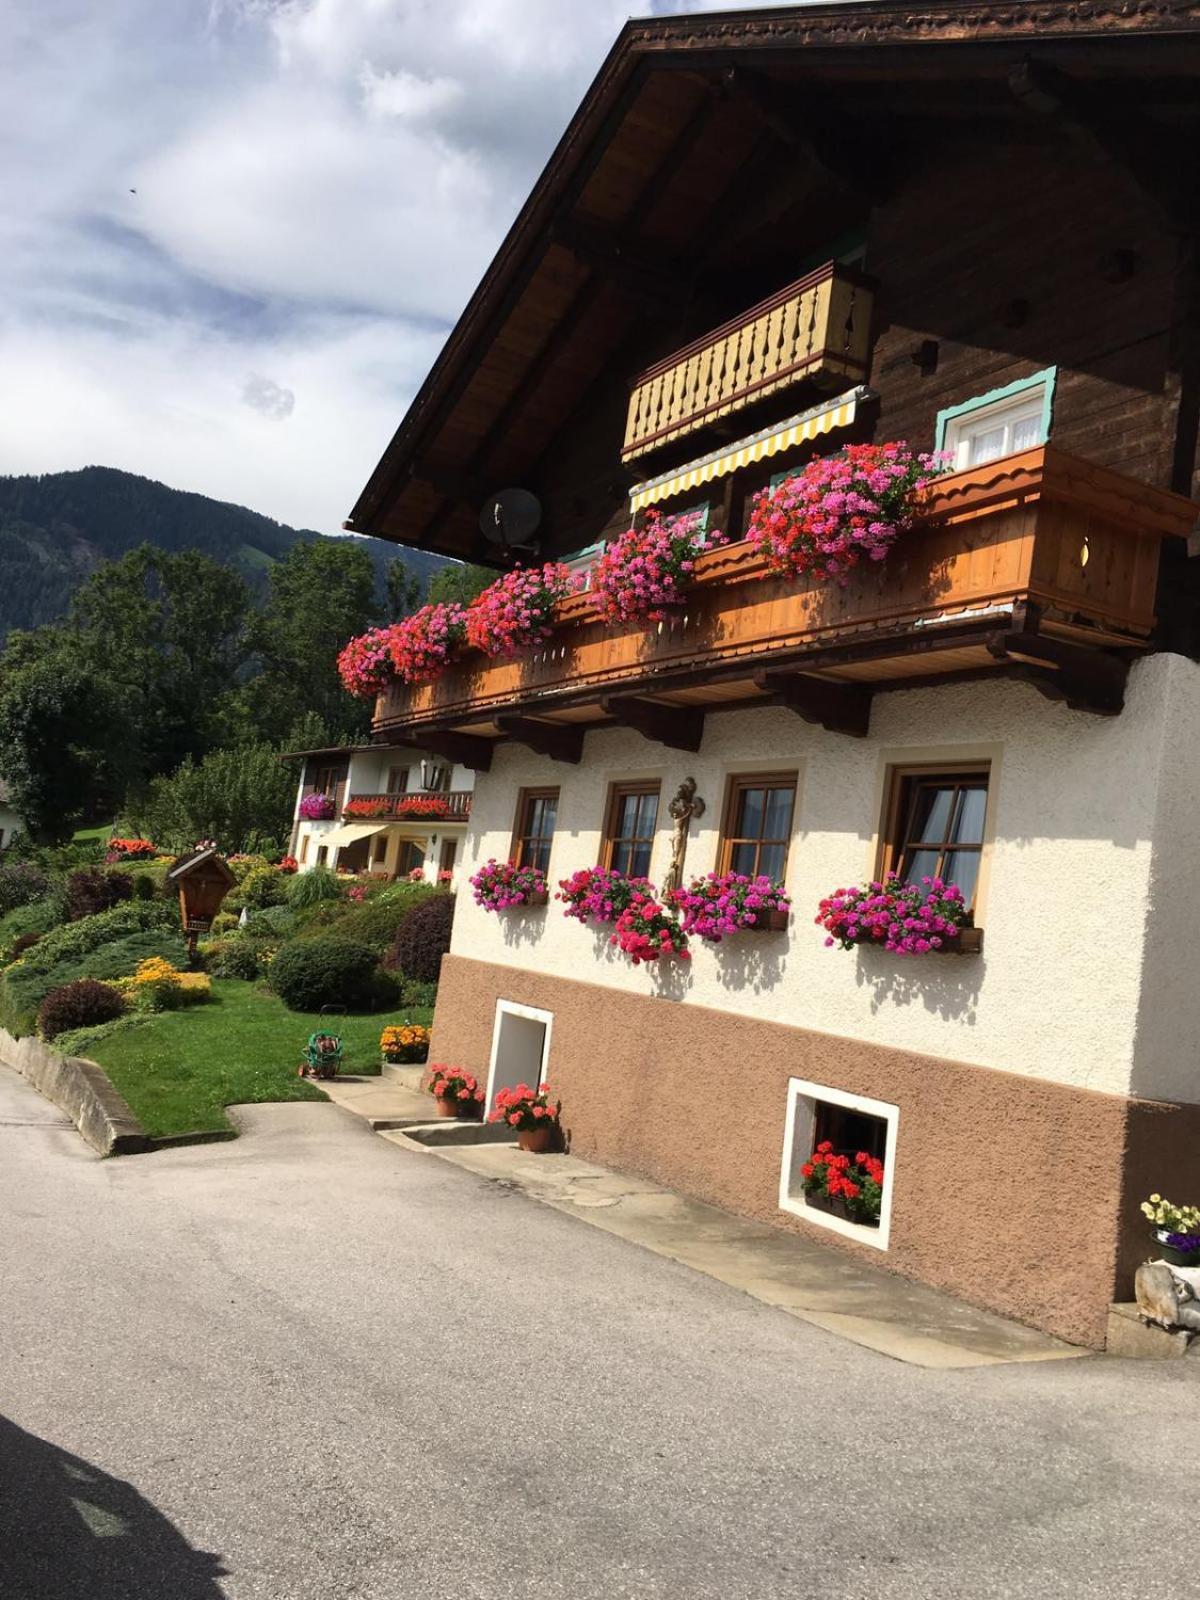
(561, 741)
(678, 727)
(464, 749)
(1086, 678)
(839, 707)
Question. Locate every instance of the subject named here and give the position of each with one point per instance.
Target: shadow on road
(70, 1532)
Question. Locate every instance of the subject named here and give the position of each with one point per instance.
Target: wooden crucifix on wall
(685, 805)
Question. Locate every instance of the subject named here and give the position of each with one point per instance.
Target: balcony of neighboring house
(1038, 565)
(814, 333)
(419, 806)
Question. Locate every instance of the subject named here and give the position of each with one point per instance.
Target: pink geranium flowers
(365, 665)
(501, 885)
(515, 612)
(599, 894)
(907, 919)
(644, 573)
(423, 645)
(722, 903)
(647, 931)
(840, 509)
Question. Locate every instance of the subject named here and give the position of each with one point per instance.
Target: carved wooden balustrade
(818, 328)
(1040, 565)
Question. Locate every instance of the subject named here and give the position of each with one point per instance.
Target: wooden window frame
(737, 783)
(898, 809)
(516, 853)
(402, 773)
(617, 792)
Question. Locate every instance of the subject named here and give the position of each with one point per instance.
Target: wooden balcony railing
(452, 805)
(816, 328)
(1038, 544)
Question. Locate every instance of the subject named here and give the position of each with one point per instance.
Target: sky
(235, 233)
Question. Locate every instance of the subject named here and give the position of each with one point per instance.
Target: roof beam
(464, 749)
(1116, 132)
(561, 741)
(607, 252)
(837, 707)
(1086, 678)
(678, 727)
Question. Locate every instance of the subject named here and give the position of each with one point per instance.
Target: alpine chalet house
(391, 812)
(950, 707)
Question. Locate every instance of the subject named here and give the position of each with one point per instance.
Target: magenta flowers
(516, 611)
(646, 571)
(908, 919)
(365, 665)
(501, 885)
(600, 894)
(840, 509)
(727, 902)
(317, 808)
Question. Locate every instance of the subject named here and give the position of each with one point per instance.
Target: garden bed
(180, 1069)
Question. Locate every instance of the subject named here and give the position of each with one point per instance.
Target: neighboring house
(391, 811)
(764, 235)
(10, 822)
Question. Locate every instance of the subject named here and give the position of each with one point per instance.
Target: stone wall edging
(82, 1090)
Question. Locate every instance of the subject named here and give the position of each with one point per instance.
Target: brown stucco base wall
(1016, 1194)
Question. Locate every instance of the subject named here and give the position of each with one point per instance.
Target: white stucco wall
(1084, 812)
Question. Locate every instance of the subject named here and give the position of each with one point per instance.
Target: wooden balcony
(418, 807)
(1040, 566)
(817, 329)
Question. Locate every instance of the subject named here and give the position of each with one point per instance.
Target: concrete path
(818, 1284)
(308, 1365)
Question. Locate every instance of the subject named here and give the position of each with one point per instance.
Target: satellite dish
(510, 519)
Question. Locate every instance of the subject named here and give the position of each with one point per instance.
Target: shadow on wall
(754, 961)
(70, 1532)
(524, 924)
(948, 986)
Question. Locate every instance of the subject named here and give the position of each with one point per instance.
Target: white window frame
(798, 1139)
(959, 425)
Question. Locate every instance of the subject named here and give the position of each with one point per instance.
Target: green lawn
(179, 1070)
(101, 832)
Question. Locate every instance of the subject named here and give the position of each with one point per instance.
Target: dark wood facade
(1014, 183)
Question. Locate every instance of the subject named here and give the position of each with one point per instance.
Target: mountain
(57, 528)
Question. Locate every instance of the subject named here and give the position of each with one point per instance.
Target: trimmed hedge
(422, 939)
(94, 890)
(233, 958)
(76, 939)
(37, 918)
(310, 973)
(78, 1005)
(374, 922)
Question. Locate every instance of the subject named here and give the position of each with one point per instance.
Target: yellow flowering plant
(159, 986)
(1170, 1217)
(404, 1041)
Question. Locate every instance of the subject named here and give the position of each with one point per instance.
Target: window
(537, 813)
(303, 848)
(998, 424)
(326, 779)
(580, 562)
(448, 856)
(397, 780)
(758, 825)
(935, 825)
(629, 832)
(851, 1123)
(379, 848)
(322, 854)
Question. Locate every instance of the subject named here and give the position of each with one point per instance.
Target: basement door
(520, 1048)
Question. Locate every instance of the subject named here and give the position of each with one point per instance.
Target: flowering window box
(770, 922)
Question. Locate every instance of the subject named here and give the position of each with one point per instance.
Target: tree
(243, 798)
(67, 750)
(461, 582)
(403, 589)
(171, 630)
(322, 593)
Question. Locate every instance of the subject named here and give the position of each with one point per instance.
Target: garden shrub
(422, 939)
(374, 921)
(264, 886)
(416, 994)
(78, 1005)
(38, 917)
(224, 922)
(82, 1041)
(93, 890)
(275, 921)
(331, 971)
(310, 888)
(23, 987)
(144, 886)
(233, 958)
(124, 956)
(23, 942)
(20, 884)
(75, 939)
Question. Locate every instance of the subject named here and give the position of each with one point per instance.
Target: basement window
(852, 1124)
(1000, 423)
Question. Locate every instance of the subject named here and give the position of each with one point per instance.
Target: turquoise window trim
(1048, 376)
(582, 554)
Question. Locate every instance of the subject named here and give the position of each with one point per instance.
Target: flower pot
(468, 1110)
(447, 1105)
(770, 922)
(538, 1140)
(1168, 1252)
(539, 897)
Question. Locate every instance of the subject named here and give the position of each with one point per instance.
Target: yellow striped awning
(824, 418)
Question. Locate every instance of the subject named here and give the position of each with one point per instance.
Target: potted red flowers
(852, 1189)
(646, 931)
(533, 1113)
(457, 1093)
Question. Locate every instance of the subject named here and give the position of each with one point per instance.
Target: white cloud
(319, 184)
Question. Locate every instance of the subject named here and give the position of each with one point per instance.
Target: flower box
(771, 922)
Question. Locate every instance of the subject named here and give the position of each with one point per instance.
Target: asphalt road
(311, 1364)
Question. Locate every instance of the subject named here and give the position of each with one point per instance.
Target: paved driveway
(310, 1364)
